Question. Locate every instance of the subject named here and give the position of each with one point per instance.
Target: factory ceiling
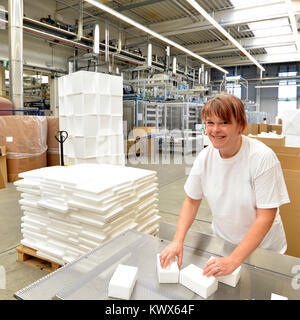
(262, 27)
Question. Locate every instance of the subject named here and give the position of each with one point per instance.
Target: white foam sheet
(68, 211)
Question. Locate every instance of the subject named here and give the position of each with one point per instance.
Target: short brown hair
(226, 106)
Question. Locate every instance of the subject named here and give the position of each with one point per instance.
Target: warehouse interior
(122, 83)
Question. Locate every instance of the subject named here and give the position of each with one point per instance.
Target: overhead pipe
(202, 74)
(199, 76)
(106, 42)
(168, 58)
(96, 39)
(15, 39)
(174, 65)
(149, 57)
(80, 21)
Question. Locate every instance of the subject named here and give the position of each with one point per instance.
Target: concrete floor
(171, 179)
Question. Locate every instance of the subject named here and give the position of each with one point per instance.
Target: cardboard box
(252, 128)
(290, 213)
(131, 148)
(286, 150)
(143, 143)
(266, 127)
(16, 166)
(3, 168)
(25, 138)
(263, 127)
(53, 159)
(276, 127)
(271, 141)
(289, 161)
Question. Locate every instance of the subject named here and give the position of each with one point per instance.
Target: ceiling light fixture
(153, 33)
(293, 23)
(223, 31)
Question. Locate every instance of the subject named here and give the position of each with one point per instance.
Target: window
(287, 93)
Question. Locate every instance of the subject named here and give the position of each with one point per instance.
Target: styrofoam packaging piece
(116, 106)
(192, 278)
(116, 85)
(62, 106)
(86, 126)
(104, 105)
(117, 144)
(122, 282)
(84, 104)
(84, 146)
(117, 124)
(61, 89)
(275, 296)
(83, 81)
(231, 279)
(105, 125)
(103, 145)
(168, 275)
(103, 83)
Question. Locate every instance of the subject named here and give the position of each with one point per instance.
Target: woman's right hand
(175, 248)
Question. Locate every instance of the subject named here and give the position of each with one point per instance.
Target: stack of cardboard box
(289, 158)
(25, 138)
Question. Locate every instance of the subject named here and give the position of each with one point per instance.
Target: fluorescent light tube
(293, 23)
(223, 31)
(152, 33)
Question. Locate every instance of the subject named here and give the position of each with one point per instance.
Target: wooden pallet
(29, 257)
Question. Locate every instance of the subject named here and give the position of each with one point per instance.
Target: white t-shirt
(235, 187)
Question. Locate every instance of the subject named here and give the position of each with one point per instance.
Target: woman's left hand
(219, 267)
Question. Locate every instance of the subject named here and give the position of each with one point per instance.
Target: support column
(15, 35)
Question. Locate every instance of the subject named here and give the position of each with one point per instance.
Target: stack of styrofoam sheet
(69, 210)
(91, 111)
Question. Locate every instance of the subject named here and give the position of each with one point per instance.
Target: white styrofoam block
(84, 146)
(103, 145)
(87, 126)
(116, 106)
(82, 81)
(122, 282)
(61, 105)
(61, 91)
(231, 279)
(170, 274)
(105, 125)
(103, 83)
(117, 124)
(104, 104)
(117, 143)
(192, 278)
(116, 85)
(275, 296)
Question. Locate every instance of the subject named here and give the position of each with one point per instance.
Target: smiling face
(225, 120)
(224, 135)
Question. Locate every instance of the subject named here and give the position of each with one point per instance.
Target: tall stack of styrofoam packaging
(91, 111)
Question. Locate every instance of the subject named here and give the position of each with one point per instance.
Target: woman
(242, 180)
